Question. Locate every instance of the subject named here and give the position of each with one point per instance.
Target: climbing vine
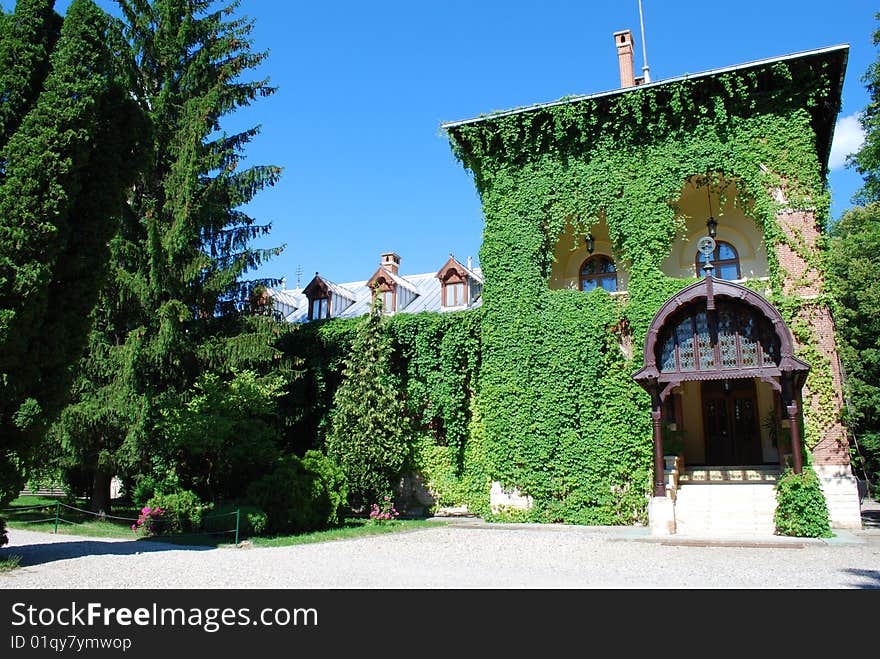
(534, 390)
(557, 414)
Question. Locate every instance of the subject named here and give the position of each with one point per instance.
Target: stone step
(744, 508)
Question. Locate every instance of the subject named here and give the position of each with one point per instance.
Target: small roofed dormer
(326, 298)
(396, 293)
(460, 286)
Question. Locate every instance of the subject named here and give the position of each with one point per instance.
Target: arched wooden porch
(723, 335)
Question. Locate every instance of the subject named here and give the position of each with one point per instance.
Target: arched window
(724, 258)
(598, 272)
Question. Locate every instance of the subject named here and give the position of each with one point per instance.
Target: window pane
(727, 271)
(667, 355)
(747, 344)
(707, 349)
(588, 284)
(727, 337)
(684, 333)
(726, 252)
(606, 265)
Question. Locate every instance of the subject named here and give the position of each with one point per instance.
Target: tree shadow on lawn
(48, 552)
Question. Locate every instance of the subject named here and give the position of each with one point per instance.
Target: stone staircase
(726, 501)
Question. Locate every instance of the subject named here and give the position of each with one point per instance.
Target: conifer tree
(27, 38)
(369, 429)
(853, 260)
(66, 166)
(178, 304)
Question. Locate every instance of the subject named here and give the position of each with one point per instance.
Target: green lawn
(71, 522)
(82, 524)
(352, 528)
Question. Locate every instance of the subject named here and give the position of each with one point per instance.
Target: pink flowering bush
(147, 523)
(384, 512)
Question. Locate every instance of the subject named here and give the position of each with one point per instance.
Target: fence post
(237, 519)
(57, 514)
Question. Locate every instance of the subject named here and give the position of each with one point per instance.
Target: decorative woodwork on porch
(714, 331)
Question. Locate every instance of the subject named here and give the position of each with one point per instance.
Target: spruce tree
(369, 428)
(65, 170)
(27, 39)
(178, 304)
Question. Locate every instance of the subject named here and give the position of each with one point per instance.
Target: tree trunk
(100, 500)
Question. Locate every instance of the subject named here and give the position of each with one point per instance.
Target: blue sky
(364, 87)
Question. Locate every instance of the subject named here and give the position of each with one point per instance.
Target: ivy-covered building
(610, 340)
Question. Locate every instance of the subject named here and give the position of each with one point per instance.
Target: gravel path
(467, 554)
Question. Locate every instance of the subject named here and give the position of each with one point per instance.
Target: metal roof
(426, 288)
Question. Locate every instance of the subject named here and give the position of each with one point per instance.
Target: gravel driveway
(464, 554)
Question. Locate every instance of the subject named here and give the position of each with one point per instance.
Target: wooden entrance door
(730, 422)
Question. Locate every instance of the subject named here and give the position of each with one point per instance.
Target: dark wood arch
(786, 375)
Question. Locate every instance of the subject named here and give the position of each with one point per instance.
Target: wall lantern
(713, 226)
(711, 223)
(591, 243)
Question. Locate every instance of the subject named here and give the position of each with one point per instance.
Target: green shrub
(332, 491)
(3, 538)
(801, 510)
(301, 494)
(148, 485)
(254, 522)
(182, 511)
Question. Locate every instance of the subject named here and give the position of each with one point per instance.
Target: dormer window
(388, 301)
(397, 293)
(598, 271)
(319, 309)
(454, 294)
(460, 286)
(326, 298)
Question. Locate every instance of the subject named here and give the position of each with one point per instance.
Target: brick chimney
(391, 262)
(624, 42)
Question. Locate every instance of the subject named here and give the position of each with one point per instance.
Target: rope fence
(58, 519)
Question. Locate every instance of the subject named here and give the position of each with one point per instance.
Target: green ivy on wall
(534, 390)
(559, 415)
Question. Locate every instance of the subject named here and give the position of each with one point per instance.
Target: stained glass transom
(733, 336)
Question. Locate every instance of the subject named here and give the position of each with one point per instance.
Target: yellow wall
(734, 227)
(571, 252)
(692, 211)
(765, 408)
(692, 423)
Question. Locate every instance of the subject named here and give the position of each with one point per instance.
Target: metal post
(57, 515)
(237, 520)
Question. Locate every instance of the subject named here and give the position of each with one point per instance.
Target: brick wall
(802, 278)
